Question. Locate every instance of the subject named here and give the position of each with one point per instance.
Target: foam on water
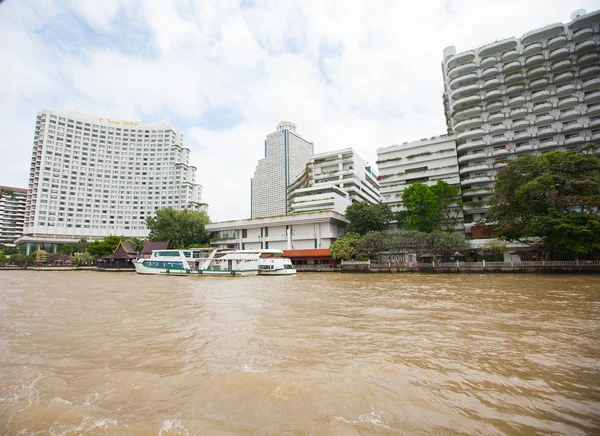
(367, 418)
(249, 368)
(173, 426)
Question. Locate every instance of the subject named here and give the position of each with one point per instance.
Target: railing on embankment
(317, 268)
(537, 266)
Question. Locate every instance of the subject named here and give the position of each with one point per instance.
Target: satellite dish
(578, 13)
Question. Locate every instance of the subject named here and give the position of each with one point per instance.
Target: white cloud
(348, 72)
(98, 14)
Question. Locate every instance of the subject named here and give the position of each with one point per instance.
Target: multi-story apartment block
(12, 213)
(425, 161)
(91, 177)
(518, 96)
(333, 181)
(286, 156)
(299, 231)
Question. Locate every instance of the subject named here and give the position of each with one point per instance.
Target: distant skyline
(348, 73)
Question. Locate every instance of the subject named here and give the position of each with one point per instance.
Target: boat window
(168, 253)
(163, 264)
(187, 254)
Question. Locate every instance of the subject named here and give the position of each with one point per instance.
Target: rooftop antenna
(578, 13)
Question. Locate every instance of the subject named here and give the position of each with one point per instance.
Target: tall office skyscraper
(518, 96)
(91, 177)
(286, 156)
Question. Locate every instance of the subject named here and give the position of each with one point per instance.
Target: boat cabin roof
(261, 251)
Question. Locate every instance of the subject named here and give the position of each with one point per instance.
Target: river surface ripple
(119, 353)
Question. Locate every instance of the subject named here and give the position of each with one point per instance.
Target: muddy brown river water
(323, 354)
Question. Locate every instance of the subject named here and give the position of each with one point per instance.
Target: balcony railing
(585, 46)
(531, 49)
(583, 34)
(534, 60)
(588, 59)
(559, 53)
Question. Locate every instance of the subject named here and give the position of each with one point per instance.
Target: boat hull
(277, 272)
(142, 269)
(227, 273)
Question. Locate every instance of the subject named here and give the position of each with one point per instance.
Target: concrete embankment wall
(429, 269)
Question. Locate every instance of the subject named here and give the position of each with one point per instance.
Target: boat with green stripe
(200, 261)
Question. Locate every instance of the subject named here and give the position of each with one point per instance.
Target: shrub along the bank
(370, 246)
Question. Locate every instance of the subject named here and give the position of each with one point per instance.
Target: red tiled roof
(149, 246)
(312, 252)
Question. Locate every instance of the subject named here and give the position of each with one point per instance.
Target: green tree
(83, 259)
(137, 243)
(446, 244)
(70, 249)
(346, 247)
(105, 247)
(41, 256)
(365, 217)
(550, 202)
(3, 257)
(8, 250)
(66, 249)
(401, 244)
(207, 245)
(446, 195)
(372, 245)
(496, 246)
(81, 246)
(18, 258)
(181, 228)
(426, 207)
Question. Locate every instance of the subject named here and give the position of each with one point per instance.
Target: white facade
(425, 161)
(333, 180)
(93, 176)
(299, 231)
(518, 96)
(286, 156)
(12, 213)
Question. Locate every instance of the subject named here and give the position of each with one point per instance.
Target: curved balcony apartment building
(92, 176)
(333, 181)
(518, 96)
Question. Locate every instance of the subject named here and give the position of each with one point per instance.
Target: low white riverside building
(425, 161)
(333, 180)
(285, 232)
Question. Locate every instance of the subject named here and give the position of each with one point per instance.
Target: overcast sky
(364, 74)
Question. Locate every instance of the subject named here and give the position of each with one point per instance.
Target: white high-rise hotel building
(518, 96)
(286, 156)
(92, 176)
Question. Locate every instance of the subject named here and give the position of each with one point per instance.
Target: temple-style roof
(129, 248)
(149, 246)
(123, 251)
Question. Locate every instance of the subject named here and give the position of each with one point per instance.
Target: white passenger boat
(272, 263)
(207, 261)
